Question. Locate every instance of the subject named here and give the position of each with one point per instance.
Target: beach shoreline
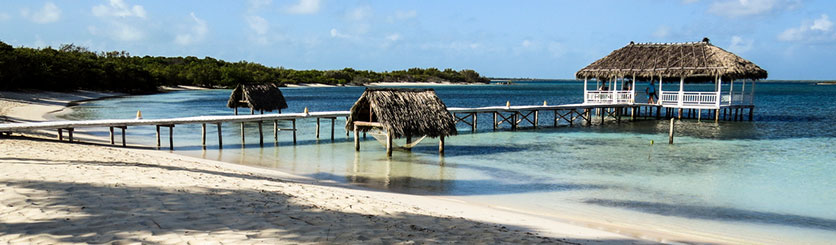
(35, 149)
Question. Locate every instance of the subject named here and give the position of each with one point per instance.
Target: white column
(752, 98)
(633, 89)
(584, 90)
(719, 90)
(612, 88)
(731, 91)
(658, 90)
(681, 91)
(743, 92)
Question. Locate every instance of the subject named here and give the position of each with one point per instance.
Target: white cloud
(304, 7)
(818, 30)
(740, 8)
(822, 24)
(689, 1)
(359, 13)
(4, 16)
(740, 45)
(197, 33)
(118, 8)
(557, 49)
(49, 13)
(258, 24)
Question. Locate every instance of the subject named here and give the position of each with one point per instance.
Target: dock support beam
(317, 128)
(441, 144)
(751, 113)
(243, 142)
(220, 138)
(203, 135)
(294, 130)
(260, 134)
(356, 139)
(112, 142)
(388, 142)
(333, 121)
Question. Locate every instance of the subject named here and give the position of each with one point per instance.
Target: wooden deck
(515, 116)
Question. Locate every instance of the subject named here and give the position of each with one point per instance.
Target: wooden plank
(356, 139)
(368, 124)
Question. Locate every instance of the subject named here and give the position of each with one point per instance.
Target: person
(651, 93)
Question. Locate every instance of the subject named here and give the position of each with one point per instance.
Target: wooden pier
(514, 116)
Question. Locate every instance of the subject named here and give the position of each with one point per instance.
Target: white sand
(55, 192)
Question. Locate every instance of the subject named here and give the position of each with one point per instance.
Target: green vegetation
(72, 67)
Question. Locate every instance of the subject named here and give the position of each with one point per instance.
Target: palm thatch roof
(696, 61)
(407, 112)
(261, 97)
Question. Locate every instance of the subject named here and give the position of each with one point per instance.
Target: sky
(791, 39)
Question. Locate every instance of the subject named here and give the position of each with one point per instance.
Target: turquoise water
(771, 180)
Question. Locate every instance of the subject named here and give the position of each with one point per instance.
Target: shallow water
(770, 180)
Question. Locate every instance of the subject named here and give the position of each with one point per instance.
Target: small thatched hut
(694, 62)
(262, 97)
(401, 112)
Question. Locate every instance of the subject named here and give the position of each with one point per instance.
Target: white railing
(669, 98)
(606, 97)
(689, 99)
(699, 98)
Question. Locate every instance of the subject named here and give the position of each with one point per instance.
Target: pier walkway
(515, 116)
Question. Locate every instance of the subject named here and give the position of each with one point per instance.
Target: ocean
(771, 180)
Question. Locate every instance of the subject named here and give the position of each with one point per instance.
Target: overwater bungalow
(698, 64)
(401, 113)
(257, 97)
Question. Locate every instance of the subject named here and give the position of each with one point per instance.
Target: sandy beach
(54, 192)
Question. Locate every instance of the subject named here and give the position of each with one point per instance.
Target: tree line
(72, 67)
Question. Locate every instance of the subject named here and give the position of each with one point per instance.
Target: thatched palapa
(697, 60)
(407, 112)
(263, 97)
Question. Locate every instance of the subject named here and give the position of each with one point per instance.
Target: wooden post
(220, 137)
(751, 115)
(203, 135)
(388, 142)
(333, 120)
(236, 110)
(699, 114)
(588, 113)
(317, 128)
(514, 121)
(171, 137)
(473, 125)
(158, 137)
(276, 131)
(356, 139)
(679, 115)
(716, 115)
(260, 134)
(346, 130)
(670, 134)
(494, 121)
(70, 131)
(111, 136)
(536, 119)
(555, 119)
(441, 144)
(294, 130)
(603, 112)
(123, 135)
(618, 115)
(60, 134)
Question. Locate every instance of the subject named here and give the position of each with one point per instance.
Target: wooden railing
(690, 99)
(606, 97)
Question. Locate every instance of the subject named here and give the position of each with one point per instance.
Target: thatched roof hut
(407, 112)
(698, 61)
(262, 97)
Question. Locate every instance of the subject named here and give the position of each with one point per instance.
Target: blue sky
(792, 39)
